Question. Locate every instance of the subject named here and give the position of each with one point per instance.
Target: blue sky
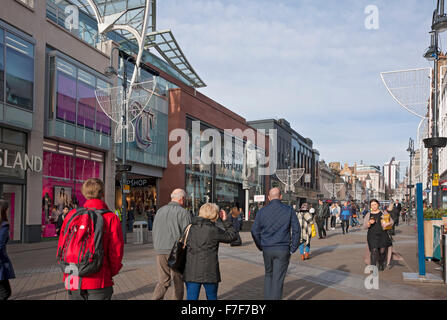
(312, 62)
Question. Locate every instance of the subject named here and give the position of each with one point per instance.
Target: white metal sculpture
(410, 88)
(295, 176)
(334, 188)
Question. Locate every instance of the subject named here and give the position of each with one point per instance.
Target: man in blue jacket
(276, 232)
(345, 216)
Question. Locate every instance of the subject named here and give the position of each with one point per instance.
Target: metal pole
(420, 221)
(288, 181)
(435, 189)
(124, 151)
(411, 162)
(444, 258)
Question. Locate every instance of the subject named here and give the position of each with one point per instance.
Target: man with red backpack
(90, 248)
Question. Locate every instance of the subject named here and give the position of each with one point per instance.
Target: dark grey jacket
(6, 269)
(169, 224)
(202, 263)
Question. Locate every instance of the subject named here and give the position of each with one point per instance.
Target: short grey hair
(178, 194)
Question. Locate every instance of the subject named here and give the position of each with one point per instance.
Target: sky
(312, 62)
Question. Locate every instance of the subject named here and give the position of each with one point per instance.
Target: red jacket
(113, 244)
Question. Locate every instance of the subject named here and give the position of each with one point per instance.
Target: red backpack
(81, 248)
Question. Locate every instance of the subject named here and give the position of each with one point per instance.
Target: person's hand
(223, 214)
(372, 221)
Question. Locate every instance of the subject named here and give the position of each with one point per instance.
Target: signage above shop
(259, 198)
(21, 161)
(138, 183)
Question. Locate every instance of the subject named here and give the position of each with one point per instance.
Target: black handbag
(177, 257)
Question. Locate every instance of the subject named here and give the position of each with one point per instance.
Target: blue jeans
(304, 248)
(193, 290)
(276, 263)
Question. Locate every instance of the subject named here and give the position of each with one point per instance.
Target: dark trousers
(276, 263)
(321, 230)
(379, 257)
(93, 294)
(345, 226)
(333, 220)
(5, 290)
(326, 222)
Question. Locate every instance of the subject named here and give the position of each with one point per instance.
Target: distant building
(391, 172)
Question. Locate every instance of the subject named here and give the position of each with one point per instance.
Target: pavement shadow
(322, 250)
(45, 291)
(148, 289)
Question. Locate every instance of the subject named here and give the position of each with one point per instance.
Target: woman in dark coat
(6, 269)
(202, 263)
(378, 238)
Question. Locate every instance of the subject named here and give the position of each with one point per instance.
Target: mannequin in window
(46, 205)
(63, 200)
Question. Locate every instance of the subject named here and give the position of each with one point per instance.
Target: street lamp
(110, 72)
(412, 153)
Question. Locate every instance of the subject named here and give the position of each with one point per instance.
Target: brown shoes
(302, 257)
(306, 256)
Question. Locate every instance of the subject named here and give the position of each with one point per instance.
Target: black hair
(374, 200)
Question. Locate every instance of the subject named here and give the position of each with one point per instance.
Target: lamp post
(439, 24)
(110, 71)
(412, 153)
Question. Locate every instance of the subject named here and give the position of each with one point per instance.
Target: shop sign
(259, 198)
(126, 189)
(21, 161)
(144, 124)
(307, 177)
(139, 183)
(435, 180)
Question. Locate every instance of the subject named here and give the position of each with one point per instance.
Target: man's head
(275, 194)
(179, 196)
(93, 189)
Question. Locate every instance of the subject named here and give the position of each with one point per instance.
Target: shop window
(102, 121)
(2, 66)
(66, 91)
(13, 137)
(86, 100)
(19, 72)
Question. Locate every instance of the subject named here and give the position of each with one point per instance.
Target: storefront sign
(307, 177)
(435, 180)
(21, 161)
(143, 125)
(126, 189)
(138, 183)
(259, 198)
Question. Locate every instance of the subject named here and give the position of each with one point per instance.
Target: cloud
(311, 62)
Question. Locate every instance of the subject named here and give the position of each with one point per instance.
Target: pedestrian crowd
(90, 246)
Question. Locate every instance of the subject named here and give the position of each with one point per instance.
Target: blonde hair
(209, 211)
(93, 189)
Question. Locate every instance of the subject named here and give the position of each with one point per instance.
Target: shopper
(60, 219)
(276, 232)
(169, 223)
(378, 238)
(306, 221)
(393, 210)
(354, 221)
(6, 269)
(320, 216)
(202, 261)
(99, 284)
(236, 220)
(335, 211)
(345, 216)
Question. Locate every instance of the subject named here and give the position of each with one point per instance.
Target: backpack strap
(186, 236)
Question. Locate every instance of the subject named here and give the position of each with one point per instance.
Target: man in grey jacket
(169, 224)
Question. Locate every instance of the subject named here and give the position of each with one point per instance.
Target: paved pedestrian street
(335, 271)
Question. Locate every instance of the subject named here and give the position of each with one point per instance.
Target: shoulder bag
(177, 257)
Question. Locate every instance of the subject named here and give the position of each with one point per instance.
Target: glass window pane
(66, 91)
(14, 137)
(103, 123)
(87, 99)
(19, 71)
(2, 67)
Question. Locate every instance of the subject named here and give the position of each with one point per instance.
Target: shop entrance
(13, 193)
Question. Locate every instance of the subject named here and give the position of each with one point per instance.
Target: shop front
(13, 165)
(141, 197)
(65, 168)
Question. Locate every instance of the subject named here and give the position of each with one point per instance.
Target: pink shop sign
(21, 161)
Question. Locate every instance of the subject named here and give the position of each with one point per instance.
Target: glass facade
(2, 66)
(222, 182)
(65, 168)
(75, 97)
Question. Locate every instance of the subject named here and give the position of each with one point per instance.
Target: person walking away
(395, 214)
(169, 224)
(130, 219)
(378, 238)
(202, 262)
(334, 212)
(320, 217)
(97, 285)
(60, 219)
(346, 213)
(306, 221)
(235, 219)
(355, 221)
(6, 269)
(276, 232)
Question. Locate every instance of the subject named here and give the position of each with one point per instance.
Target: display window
(65, 168)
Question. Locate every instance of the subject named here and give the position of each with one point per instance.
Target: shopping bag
(314, 232)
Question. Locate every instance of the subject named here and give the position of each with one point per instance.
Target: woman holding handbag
(202, 245)
(378, 238)
(307, 229)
